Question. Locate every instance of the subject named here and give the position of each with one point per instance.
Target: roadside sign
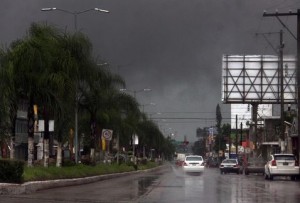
(107, 134)
(247, 150)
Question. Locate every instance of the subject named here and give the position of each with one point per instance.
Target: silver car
(282, 165)
(193, 164)
(230, 166)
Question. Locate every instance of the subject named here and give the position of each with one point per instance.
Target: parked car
(193, 164)
(230, 166)
(282, 165)
(255, 165)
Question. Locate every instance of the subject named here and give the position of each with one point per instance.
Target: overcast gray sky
(174, 47)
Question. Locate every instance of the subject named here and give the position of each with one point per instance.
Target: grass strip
(40, 173)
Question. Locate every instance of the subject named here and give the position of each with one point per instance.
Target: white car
(193, 164)
(230, 166)
(282, 165)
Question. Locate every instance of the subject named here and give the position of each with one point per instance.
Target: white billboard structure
(244, 115)
(252, 79)
(257, 80)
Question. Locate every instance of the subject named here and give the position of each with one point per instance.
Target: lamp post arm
(101, 10)
(84, 11)
(58, 9)
(75, 13)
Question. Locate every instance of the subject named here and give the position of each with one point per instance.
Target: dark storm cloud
(174, 47)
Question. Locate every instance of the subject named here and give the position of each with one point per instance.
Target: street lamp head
(48, 9)
(101, 10)
(147, 90)
(102, 64)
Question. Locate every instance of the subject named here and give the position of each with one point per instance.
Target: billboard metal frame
(256, 79)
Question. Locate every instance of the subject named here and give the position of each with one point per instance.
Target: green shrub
(67, 162)
(144, 162)
(11, 171)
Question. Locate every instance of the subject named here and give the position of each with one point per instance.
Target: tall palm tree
(129, 110)
(67, 72)
(8, 106)
(23, 75)
(77, 63)
(97, 99)
(33, 59)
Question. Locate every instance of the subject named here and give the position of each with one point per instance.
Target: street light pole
(75, 14)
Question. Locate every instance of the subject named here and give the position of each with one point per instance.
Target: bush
(144, 161)
(132, 164)
(85, 159)
(11, 171)
(52, 162)
(67, 162)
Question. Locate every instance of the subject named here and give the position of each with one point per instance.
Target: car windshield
(229, 161)
(194, 158)
(284, 157)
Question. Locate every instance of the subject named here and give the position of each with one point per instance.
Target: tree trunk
(92, 155)
(93, 136)
(30, 151)
(46, 138)
(46, 152)
(59, 155)
(71, 143)
(13, 120)
(30, 125)
(12, 148)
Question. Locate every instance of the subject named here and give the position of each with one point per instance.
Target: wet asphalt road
(172, 185)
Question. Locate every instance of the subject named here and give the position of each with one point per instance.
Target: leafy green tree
(199, 147)
(226, 132)
(98, 99)
(29, 58)
(168, 149)
(8, 102)
(149, 134)
(43, 63)
(219, 138)
(57, 72)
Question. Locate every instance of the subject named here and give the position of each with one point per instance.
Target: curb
(31, 187)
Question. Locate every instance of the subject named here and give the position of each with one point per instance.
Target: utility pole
(281, 88)
(279, 52)
(236, 135)
(277, 15)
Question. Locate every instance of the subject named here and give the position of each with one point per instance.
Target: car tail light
(185, 164)
(296, 163)
(202, 164)
(273, 163)
(221, 166)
